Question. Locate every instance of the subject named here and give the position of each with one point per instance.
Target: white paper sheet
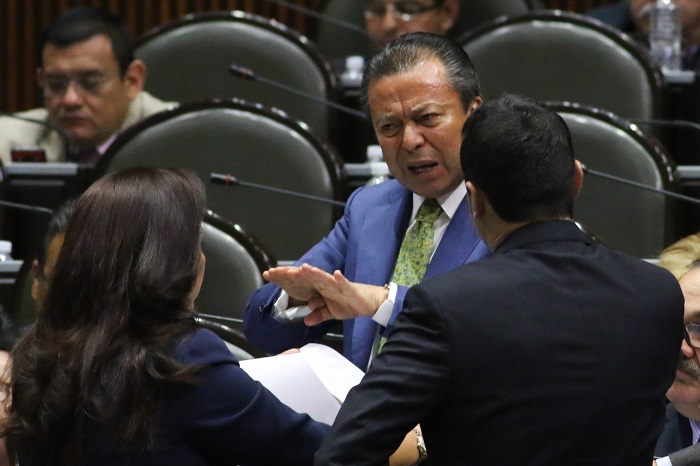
(314, 381)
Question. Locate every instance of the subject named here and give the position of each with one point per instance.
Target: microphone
(640, 185)
(26, 207)
(47, 124)
(315, 14)
(248, 74)
(229, 180)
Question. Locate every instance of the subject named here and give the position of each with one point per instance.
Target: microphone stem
(641, 186)
(249, 184)
(228, 180)
(29, 208)
(317, 15)
(247, 74)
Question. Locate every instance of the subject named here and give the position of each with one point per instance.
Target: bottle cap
(5, 247)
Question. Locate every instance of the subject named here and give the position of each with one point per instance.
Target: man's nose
(72, 95)
(412, 137)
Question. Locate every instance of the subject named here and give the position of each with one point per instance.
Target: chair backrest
(237, 343)
(256, 145)
(336, 42)
(623, 217)
(23, 310)
(235, 263)
(560, 56)
(189, 60)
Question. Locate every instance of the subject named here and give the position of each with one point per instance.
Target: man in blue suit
(419, 90)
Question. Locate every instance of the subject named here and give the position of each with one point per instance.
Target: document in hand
(315, 380)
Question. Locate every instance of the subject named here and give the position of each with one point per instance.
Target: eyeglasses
(692, 335)
(88, 83)
(405, 10)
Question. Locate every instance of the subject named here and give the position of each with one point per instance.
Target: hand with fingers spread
(339, 298)
(300, 291)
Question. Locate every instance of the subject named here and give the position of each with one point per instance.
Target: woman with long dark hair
(114, 371)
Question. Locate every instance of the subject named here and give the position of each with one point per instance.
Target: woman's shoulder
(203, 347)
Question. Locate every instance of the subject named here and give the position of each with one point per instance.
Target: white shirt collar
(449, 202)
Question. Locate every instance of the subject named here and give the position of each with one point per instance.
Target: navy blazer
(531, 356)
(676, 435)
(226, 419)
(363, 245)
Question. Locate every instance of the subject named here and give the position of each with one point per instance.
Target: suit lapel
(460, 231)
(376, 257)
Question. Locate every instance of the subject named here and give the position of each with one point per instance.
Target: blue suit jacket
(363, 245)
(225, 418)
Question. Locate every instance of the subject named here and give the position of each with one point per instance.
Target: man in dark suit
(420, 89)
(683, 412)
(555, 350)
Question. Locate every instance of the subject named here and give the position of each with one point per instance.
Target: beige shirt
(17, 133)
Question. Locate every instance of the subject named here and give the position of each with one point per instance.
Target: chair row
(546, 55)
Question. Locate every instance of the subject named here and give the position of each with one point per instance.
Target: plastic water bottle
(665, 35)
(378, 170)
(354, 67)
(5, 250)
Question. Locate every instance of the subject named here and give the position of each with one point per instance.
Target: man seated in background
(92, 87)
(682, 427)
(387, 20)
(553, 351)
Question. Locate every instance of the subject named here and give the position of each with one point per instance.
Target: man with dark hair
(420, 89)
(555, 350)
(92, 87)
(387, 20)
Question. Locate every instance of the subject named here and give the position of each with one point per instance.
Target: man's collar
(449, 202)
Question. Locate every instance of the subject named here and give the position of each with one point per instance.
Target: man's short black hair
(519, 154)
(82, 23)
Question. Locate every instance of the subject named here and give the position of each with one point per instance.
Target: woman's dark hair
(116, 306)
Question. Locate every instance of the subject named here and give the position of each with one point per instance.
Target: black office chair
(235, 263)
(626, 218)
(189, 60)
(336, 42)
(552, 55)
(22, 310)
(237, 343)
(252, 143)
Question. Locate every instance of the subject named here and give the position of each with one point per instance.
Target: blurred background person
(92, 87)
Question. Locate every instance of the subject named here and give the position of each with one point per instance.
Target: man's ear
(578, 177)
(135, 78)
(476, 200)
(449, 10)
(39, 74)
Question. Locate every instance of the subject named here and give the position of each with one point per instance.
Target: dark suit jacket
(364, 246)
(676, 435)
(226, 419)
(554, 351)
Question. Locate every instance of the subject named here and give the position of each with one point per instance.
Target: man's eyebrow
(694, 316)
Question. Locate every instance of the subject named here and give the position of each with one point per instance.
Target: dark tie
(88, 156)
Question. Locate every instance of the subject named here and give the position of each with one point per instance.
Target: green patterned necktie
(417, 246)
